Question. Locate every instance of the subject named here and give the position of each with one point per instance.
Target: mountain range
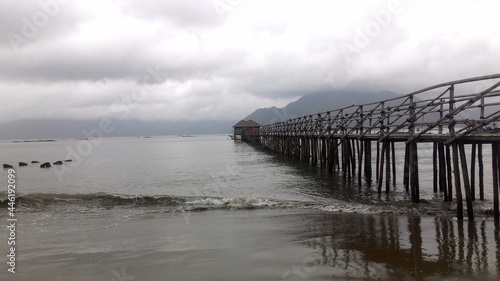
(318, 102)
(309, 104)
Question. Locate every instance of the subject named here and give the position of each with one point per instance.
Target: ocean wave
(167, 203)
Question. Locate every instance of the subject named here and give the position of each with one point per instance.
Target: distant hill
(319, 102)
(48, 129)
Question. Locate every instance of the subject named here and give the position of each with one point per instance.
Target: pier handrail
(391, 116)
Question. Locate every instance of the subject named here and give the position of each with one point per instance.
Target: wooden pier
(450, 115)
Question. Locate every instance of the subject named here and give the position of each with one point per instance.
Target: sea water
(208, 208)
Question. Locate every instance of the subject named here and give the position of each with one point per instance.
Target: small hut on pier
(246, 129)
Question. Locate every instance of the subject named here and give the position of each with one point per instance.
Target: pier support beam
(435, 168)
(481, 170)
(368, 161)
(465, 175)
(442, 171)
(413, 169)
(406, 168)
(473, 171)
(449, 174)
(381, 167)
(495, 159)
(458, 189)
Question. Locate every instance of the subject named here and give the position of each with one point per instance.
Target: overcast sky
(222, 59)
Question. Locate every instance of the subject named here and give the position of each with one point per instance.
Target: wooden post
(393, 164)
(305, 149)
(435, 167)
(323, 152)
(406, 169)
(352, 156)
(315, 150)
(387, 167)
(336, 154)
(413, 158)
(481, 170)
(330, 155)
(496, 177)
(368, 161)
(465, 175)
(360, 159)
(377, 160)
(456, 169)
(442, 171)
(345, 159)
(312, 145)
(473, 172)
(414, 185)
(297, 147)
(448, 173)
(458, 189)
(441, 114)
(381, 169)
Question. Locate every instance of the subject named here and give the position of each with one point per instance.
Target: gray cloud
(221, 59)
(186, 13)
(37, 21)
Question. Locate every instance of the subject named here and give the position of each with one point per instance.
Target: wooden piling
(387, 167)
(381, 168)
(458, 189)
(495, 154)
(435, 168)
(368, 161)
(352, 157)
(345, 159)
(442, 171)
(323, 152)
(393, 151)
(359, 145)
(473, 171)
(481, 170)
(465, 175)
(413, 168)
(449, 174)
(406, 168)
(329, 144)
(377, 161)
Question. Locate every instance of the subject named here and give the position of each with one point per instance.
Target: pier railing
(449, 115)
(437, 110)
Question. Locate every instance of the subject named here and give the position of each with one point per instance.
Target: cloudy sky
(222, 59)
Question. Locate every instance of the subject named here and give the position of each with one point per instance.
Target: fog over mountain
(68, 128)
(319, 102)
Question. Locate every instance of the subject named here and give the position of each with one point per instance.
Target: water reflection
(402, 248)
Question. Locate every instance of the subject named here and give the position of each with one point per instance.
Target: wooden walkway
(451, 115)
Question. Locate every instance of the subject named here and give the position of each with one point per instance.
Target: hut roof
(246, 124)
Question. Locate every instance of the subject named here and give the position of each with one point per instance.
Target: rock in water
(22, 164)
(35, 162)
(46, 165)
(58, 163)
(7, 166)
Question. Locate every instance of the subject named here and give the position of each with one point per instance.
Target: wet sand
(253, 245)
